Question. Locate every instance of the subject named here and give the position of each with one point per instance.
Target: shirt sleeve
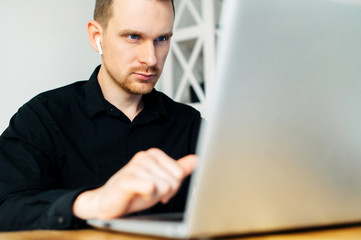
(36, 209)
(29, 160)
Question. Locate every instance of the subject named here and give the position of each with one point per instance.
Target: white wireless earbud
(99, 47)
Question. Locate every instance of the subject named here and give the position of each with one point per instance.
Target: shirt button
(60, 220)
(111, 109)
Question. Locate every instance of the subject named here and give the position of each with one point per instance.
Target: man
(102, 148)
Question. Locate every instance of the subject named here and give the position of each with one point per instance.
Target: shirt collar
(94, 98)
(95, 101)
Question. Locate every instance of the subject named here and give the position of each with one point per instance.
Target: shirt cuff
(60, 214)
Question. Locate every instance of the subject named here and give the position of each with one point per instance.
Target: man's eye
(133, 37)
(161, 39)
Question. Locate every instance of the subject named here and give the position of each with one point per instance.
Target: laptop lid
(282, 146)
(281, 149)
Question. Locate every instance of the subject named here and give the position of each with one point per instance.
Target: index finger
(168, 163)
(188, 163)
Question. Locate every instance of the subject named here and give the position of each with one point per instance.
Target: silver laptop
(282, 147)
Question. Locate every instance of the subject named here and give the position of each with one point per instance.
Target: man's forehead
(142, 14)
(140, 2)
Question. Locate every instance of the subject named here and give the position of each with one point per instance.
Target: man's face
(136, 43)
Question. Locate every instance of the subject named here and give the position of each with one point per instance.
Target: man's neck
(131, 105)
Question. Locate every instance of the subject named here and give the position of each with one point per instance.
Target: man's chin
(140, 90)
(137, 87)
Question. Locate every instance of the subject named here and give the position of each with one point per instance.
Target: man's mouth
(144, 76)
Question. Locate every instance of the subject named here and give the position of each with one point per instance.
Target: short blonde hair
(103, 11)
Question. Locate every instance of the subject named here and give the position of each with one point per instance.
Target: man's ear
(95, 34)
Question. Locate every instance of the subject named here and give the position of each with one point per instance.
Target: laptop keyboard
(166, 217)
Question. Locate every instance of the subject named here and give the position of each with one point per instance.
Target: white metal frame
(203, 32)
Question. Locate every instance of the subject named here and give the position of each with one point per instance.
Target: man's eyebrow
(135, 32)
(168, 34)
(130, 32)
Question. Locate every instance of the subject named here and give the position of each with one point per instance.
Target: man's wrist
(85, 205)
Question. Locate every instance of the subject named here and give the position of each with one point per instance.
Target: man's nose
(147, 54)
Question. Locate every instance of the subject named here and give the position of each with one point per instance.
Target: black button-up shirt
(70, 139)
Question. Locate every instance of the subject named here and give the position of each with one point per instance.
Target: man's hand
(150, 177)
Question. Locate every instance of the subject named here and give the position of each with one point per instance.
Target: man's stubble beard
(132, 86)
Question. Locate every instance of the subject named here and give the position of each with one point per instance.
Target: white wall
(43, 45)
